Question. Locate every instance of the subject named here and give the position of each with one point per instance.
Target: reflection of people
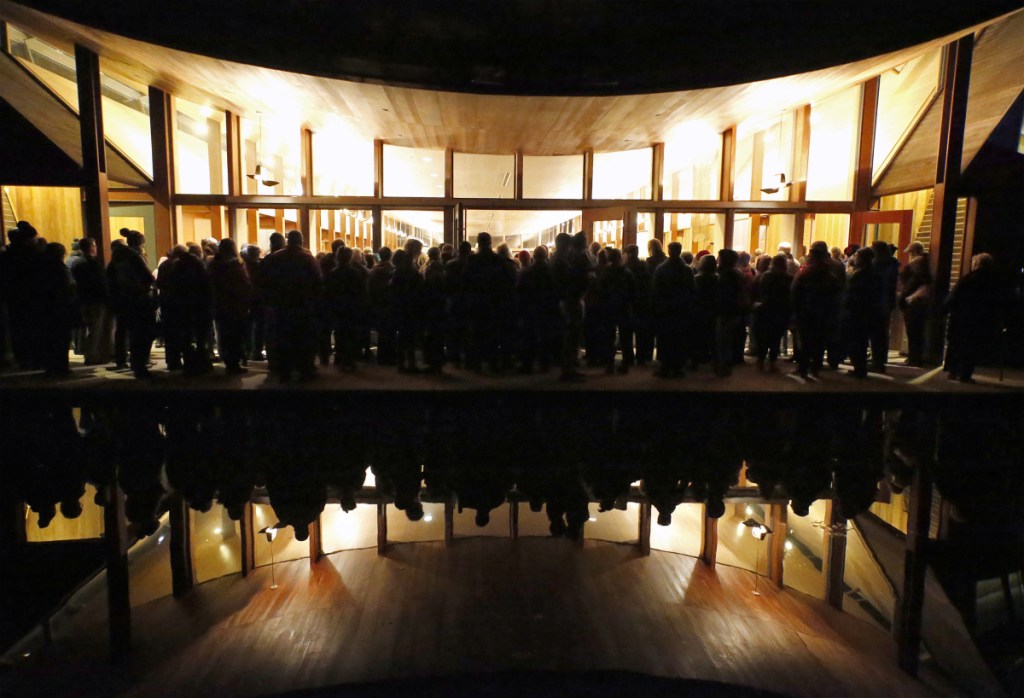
(974, 307)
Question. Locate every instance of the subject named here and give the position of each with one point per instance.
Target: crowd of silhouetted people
(578, 304)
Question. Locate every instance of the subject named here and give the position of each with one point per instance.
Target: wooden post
(956, 79)
(728, 229)
(95, 190)
(757, 169)
(517, 191)
(801, 155)
(969, 223)
(866, 147)
(234, 156)
(588, 174)
(657, 171)
(247, 540)
(378, 170)
(382, 528)
(777, 521)
(910, 606)
(708, 539)
(799, 225)
(316, 540)
(119, 607)
(161, 131)
(449, 520)
(450, 235)
(834, 563)
(659, 226)
(644, 526)
(628, 227)
(449, 173)
(378, 227)
(309, 233)
(727, 179)
(183, 576)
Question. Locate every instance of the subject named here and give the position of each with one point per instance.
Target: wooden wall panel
(56, 212)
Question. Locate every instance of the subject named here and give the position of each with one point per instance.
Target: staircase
(9, 217)
(924, 232)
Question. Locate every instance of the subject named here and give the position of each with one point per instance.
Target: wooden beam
(757, 167)
(866, 144)
(588, 174)
(119, 607)
(161, 131)
(969, 224)
(799, 225)
(306, 161)
(728, 230)
(708, 539)
(247, 540)
(378, 227)
(956, 79)
(449, 173)
(657, 171)
(233, 126)
(629, 227)
(316, 540)
(382, 529)
(834, 562)
(727, 178)
(181, 549)
(449, 520)
(644, 529)
(517, 191)
(378, 168)
(801, 154)
(450, 234)
(95, 203)
(910, 605)
(778, 522)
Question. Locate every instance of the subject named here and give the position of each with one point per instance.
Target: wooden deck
(481, 605)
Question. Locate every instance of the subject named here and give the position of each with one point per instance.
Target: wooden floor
(480, 605)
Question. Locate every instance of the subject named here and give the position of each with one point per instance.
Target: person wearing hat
(21, 278)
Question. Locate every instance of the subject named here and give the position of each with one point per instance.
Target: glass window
(275, 144)
(425, 226)
(764, 159)
(285, 546)
(430, 527)
(255, 226)
(736, 546)
(904, 94)
(693, 163)
(623, 175)
(355, 228)
(200, 149)
(413, 171)
(762, 231)
(615, 525)
(216, 541)
(683, 535)
(893, 512)
(553, 177)
(484, 176)
(56, 212)
(835, 126)
(349, 530)
(833, 228)
(521, 229)
(141, 217)
(869, 594)
(149, 566)
(496, 527)
(342, 162)
(804, 551)
(533, 524)
(695, 231)
(88, 524)
(196, 223)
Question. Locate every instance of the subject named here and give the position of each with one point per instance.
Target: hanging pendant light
(258, 174)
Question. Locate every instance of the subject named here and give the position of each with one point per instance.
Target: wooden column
(95, 190)
(866, 147)
(629, 227)
(233, 125)
(757, 170)
(727, 178)
(247, 540)
(777, 521)
(517, 191)
(449, 520)
(969, 223)
(708, 539)
(588, 174)
(659, 226)
(378, 168)
(956, 80)
(382, 529)
(183, 576)
(799, 225)
(161, 131)
(801, 154)
(309, 233)
(727, 230)
(450, 234)
(449, 173)
(119, 607)
(378, 227)
(657, 171)
(834, 563)
(910, 605)
(316, 540)
(644, 526)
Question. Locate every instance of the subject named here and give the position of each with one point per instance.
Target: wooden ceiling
(997, 79)
(437, 119)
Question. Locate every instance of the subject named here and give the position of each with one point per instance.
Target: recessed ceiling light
(426, 159)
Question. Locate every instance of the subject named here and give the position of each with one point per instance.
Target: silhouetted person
(706, 285)
(914, 300)
(324, 320)
(20, 279)
(616, 288)
(815, 305)
(407, 295)
(434, 316)
(232, 301)
(772, 310)
(256, 324)
(348, 299)
(975, 309)
(861, 308)
(643, 306)
(133, 299)
(484, 279)
(188, 291)
(655, 255)
(730, 307)
(458, 304)
(382, 308)
(58, 310)
(673, 307)
(571, 268)
(540, 314)
(887, 268)
(292, 278)
(91, 294)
